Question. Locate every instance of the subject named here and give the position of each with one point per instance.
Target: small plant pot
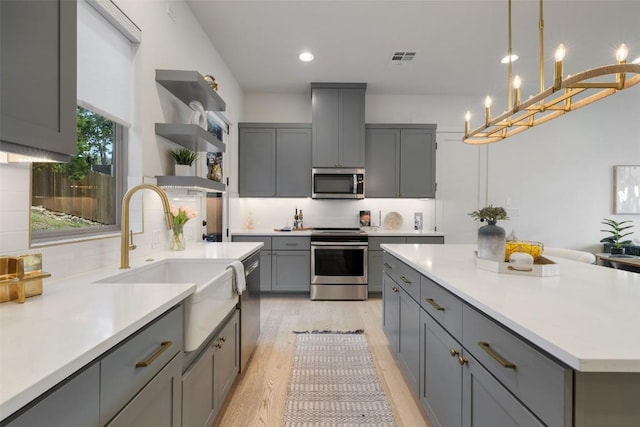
(183, 170)
(617, 251)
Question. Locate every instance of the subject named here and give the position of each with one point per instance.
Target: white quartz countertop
(74, 321)
(587, 317)
(372, 233)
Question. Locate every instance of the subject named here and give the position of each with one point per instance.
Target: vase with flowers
(180, 216)
(491, 237)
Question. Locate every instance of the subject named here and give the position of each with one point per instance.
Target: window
(80, 197)
(83, 197)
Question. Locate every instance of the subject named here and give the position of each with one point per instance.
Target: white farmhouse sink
(207, 307)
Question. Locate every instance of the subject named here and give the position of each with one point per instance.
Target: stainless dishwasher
(250, 309)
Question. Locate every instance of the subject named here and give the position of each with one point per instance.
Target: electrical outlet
(155, 238)
(513, 212)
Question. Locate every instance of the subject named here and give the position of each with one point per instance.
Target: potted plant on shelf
(616, 231)
(184, 159)
(491, 237)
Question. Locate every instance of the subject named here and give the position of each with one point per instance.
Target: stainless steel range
(339, 264)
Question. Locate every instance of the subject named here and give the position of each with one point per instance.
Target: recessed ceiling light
(509, 58)
(306, 56)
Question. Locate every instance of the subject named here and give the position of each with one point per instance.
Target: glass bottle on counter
(300, 220)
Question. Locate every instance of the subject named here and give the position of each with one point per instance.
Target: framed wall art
(626, 187)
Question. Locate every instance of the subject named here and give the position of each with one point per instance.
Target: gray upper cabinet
(275, 160)
(38, 79)
(338, 124)
(400, 160)
(257, 162)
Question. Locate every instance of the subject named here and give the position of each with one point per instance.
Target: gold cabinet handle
(394, 289)
(462, 361)
(387, 265)
(496, 356)
(163, 347)
(435, 304)
(405, 280)
(223, 338)
(453, 352)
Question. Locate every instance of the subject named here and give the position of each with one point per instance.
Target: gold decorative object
(565, 95)
(21, 277)
(211, 81)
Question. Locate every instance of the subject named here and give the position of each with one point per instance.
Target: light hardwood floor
(259, 395)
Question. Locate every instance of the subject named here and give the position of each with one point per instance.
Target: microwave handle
(355, 183)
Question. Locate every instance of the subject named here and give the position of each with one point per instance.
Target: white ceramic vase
(183, 170)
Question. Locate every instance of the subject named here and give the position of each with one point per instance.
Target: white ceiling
(459, 43)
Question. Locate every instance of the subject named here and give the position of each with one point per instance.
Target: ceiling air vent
(401, 57)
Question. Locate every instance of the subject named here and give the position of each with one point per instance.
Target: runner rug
(334, 383)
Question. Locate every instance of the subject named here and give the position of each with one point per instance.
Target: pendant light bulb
(487, 102)
(467, 116)
(517, 82)
(560, 52)
(621, 53)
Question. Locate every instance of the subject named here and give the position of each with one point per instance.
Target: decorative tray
(543, 267)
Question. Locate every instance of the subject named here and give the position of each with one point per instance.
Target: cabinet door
(487, 403)
(351, 127)
(382, 157)
(265, 271)
(38, 79)
(226, 361)
(74, 404)
(293, 160)
(391, 311)
(159, 403)
(197, 392)
(257, 162)
(408, 341)
(417, 163)
(291, 271)
(440, 373)
(375, 271)
(325, 121)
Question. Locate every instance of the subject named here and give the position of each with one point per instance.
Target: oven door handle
(340, 244)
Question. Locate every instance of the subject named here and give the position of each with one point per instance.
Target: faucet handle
(132, 246)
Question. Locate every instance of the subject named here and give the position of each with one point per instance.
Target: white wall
(555, 180)
(166, 43)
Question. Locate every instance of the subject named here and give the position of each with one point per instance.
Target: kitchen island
(75, 321)
(558, 350)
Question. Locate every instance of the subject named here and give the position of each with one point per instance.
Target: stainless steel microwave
(337, 183)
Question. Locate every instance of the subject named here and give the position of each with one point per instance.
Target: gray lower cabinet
(206, 383)
(38, 56)
(75, 403)
(472, 371)
(374, 255)
(158, 404)
(400, 160)
(338, 124)
(401, 323)
(274, 160)
(136, 383)
(285, 262)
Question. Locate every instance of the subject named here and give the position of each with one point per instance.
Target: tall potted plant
(491, 237)
(616, 231)
(184, 159)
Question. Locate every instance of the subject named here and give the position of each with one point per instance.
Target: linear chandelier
(566, 94)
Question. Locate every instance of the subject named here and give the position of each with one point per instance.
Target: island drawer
(390, 265)
(443, 306)
(266, 240)
(537, 380)
(292, 243)
(409, 280)
(132, 364)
